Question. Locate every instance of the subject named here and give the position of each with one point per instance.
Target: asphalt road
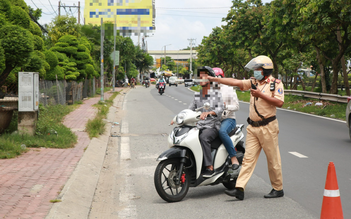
(144, 136)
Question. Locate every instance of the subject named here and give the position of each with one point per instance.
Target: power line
(211, 8)
(52, 7)
(40, 8)
(44, 5)
(189, 15)
(196, 12)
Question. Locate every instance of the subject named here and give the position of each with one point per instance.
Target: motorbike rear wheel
(166, 182)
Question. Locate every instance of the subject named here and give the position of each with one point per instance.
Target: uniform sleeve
(279, 91)
(246, 84)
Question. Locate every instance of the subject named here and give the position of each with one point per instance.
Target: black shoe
(275, 194)
(236, 193)
(235, 166)
(208, 173)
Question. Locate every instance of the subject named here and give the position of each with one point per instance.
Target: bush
(51, 58)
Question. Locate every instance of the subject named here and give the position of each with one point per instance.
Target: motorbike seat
(217, 141)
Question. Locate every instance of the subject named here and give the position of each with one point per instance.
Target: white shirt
(231, 102)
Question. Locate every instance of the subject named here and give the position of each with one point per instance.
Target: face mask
(258, 75)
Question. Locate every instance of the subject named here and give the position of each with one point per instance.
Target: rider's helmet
(207, 69)
(219, 72)
(261, 61)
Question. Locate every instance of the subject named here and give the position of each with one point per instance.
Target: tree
(142, 60)
(17, 44)
(320, 22)
(78, 55)
(63, 25)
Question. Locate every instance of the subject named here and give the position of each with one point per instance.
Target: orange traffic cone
(331, 206)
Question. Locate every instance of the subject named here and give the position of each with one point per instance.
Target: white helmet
(259, 62)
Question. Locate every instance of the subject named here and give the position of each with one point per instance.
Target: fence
(54, 92)
(62, 92)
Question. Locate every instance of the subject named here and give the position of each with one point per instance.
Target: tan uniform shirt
(263, 107)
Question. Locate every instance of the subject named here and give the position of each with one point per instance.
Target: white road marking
(126, 195)
(125, 150)
(298, 154)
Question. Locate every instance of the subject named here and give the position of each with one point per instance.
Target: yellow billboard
(129, 13)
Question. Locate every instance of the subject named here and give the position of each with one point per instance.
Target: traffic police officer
(267, 93)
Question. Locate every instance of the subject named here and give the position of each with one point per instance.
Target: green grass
(196, 88)
(50, 132)
(96, 126)
(297, 103)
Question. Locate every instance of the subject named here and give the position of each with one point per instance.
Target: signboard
(115, 56)
(129, 13)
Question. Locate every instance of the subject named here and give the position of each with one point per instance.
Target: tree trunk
(5, 74)
(321, 67)
(314, 82)
(302, 83)
(334, 86)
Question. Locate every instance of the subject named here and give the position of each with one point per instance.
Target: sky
(177, 21)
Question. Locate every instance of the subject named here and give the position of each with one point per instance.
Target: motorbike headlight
(180, 118)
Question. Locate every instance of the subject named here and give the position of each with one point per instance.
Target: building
(179, 56)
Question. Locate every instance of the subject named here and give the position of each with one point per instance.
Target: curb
(78, 192)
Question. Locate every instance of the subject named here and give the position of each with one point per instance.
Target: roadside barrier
(319, 96)
(331, 206)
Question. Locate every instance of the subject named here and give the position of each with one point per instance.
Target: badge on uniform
(280, 91)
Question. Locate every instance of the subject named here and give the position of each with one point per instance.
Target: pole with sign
(102, 60)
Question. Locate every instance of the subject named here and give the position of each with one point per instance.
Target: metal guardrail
(319, 96)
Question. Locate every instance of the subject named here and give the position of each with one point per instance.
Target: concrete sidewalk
(30, 181)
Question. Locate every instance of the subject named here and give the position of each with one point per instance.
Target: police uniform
(262, 133)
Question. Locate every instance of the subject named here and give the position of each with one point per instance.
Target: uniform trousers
(206, 136)
(266, 138)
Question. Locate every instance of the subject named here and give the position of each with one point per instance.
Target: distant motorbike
(180, 166)
(146, 83)
(161, 87)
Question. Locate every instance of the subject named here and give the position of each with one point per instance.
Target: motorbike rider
(161, 80)
(228, 123)
(208, 126)
(132, 81)
(267, 93)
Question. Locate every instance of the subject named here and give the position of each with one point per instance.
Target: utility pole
(64, 6)
(114, 55)
(191, 56)
(78, 12)
(102, 60)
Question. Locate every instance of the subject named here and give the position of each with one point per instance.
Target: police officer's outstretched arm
(227, 81)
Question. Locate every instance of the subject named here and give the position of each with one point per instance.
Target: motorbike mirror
(206, 106)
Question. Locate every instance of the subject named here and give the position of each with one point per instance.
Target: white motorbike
(180, 166)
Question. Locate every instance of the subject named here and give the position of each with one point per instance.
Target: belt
(261, 123)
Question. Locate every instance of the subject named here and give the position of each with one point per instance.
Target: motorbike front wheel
(168, 187)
